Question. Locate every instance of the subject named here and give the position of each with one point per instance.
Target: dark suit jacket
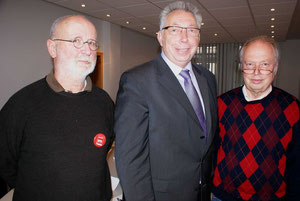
(160, 150)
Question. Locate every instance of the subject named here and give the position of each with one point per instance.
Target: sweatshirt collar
(55, 86)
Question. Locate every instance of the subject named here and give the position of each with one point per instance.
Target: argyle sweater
(255, 143)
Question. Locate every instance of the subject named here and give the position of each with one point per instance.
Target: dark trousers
(3, 188)
(204, 193)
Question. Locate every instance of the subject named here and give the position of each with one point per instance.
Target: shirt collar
(258, 98)
(55, 86)
(176, 69)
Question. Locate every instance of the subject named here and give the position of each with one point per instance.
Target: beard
(82, 66)
(77, 67)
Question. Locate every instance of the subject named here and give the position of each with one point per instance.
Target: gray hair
(60, 19)
(180, 5)
(262, 38)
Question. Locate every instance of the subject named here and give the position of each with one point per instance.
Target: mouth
(256, 81)
(182, 50)
(84, 61)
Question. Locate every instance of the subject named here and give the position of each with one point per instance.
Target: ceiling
(224, 20)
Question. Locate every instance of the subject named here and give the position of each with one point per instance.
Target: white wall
(111, 58)
(136, 49)
(288, 77)
(25, 27)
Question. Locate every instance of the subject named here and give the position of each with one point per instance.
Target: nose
(184, 35)
(256, 69)
(85, 49)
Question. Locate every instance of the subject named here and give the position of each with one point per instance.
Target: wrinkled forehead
(260, 48)
(75, 26)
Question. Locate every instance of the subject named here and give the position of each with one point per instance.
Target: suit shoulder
(210, 77)
(141, 69)
(140, 73)
(204, 71)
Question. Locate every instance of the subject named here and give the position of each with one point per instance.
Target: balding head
(56, 25)
(62, 23)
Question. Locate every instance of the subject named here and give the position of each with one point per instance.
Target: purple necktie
(194, 98)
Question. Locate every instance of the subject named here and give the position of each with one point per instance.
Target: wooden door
(97, 75)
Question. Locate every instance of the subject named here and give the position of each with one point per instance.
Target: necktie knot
(185, 74)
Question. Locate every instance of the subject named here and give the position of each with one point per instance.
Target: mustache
(84, 59)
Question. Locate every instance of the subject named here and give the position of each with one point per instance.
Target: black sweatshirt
(53, 146)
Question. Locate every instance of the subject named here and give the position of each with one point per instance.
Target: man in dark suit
(166, 117)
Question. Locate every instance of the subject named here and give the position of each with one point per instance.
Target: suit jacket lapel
(170, 83)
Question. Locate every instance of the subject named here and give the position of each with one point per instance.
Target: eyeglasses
(176, 30)
(78, 43)
(263, 68)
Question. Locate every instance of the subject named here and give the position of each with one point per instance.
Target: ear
(159, 36)
(51, 45)
(275, 68)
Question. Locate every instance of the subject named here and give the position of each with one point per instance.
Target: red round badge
(99, 140)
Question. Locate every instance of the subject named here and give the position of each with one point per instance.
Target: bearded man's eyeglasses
(78, 43)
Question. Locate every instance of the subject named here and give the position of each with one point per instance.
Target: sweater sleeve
(293, 164)
(12, 122)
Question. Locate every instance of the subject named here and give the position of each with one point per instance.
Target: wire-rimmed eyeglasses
(78, 43)
(262, 67)
(176, 30)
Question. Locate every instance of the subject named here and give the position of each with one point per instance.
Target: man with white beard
(56, 132)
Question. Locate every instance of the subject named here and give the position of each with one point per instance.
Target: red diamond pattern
(235, 133)
(221, 155)
(265, 192)
(254, 110)
(222, 131)
(251, 136)
(273, 111)
(281, 191)
(235, 107)
(249, 165)
(247, 190)
(268, 167)
(277, 111)
(270, 140)
(286, 139)
(228, 185)
(222, 107)
(231, 160)
(290, 114)
(217, 179)
(282, 165)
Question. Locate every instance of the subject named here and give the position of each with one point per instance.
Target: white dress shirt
(177, 69)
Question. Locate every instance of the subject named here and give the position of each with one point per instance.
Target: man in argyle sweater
(258, 157)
